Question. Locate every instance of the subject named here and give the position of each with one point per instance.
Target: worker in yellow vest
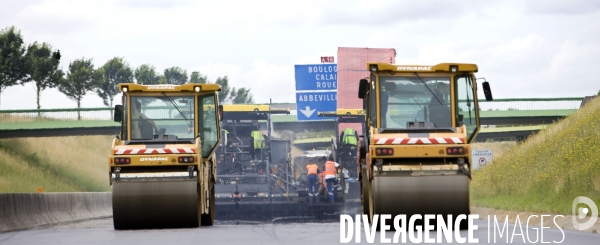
(311, 176)
(349, 137)
(259, 143)
(330, 177)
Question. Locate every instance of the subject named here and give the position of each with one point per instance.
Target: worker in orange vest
(322, 184)
(330, 178)
(311, 176)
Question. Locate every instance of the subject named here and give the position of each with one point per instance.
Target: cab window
(207, 112)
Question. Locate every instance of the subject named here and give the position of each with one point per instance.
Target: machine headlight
(456, 151)
(384, 151)
(373, 68)
(453, 68)
(122, 160)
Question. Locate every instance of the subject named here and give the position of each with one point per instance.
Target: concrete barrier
(20, 211)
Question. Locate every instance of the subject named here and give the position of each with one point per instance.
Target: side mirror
(487, 91)
(459, 120)
(362, 88)
(118, 116)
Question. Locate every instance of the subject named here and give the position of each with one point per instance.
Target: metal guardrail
(106, 113)
(74, 114)
(44, 115)
(568, 103)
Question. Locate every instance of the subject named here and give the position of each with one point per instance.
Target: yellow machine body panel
(189, 87)
(245, 108)
(162, 164)
(141, 155)
(249, 111)
(405, 145)
(342, 112)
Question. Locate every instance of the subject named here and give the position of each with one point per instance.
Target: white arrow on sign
(308, 112)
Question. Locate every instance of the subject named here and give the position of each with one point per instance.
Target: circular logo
(482, 161)
(581, 213)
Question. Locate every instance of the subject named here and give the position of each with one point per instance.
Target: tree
(231, 94)
(81, 78)
(13, 65)
(175, 75)
(161, 79)
(43, 68)
(196, 77)
(225, 90)
(115, 71)
(146, 74)
(241, 96)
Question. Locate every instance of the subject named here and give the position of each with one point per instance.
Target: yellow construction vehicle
(162, 166)
(415, 156)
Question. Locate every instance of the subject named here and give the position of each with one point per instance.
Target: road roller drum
(155, 204)
(408, 195)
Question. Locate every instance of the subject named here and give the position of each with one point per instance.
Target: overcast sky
(546, 48)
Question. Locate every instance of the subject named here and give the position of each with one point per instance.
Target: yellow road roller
(162, 165)
(415, 153)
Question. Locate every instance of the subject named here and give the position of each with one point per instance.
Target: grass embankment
(57, 164)
(547, 171)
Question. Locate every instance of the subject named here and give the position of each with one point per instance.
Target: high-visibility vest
(259, 141)
(311, 169)
(349, 137)
(329, 168)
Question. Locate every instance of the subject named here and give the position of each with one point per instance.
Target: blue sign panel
(309, 104)
(316, 77)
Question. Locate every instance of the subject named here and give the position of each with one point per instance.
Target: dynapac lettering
(145, 159)
(414, 68)
(161, 86)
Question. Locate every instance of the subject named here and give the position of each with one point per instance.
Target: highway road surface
(101, 231)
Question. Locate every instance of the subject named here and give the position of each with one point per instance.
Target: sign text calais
(316, 90)
(316, 77)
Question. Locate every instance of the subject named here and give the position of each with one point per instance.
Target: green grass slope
(57, 164)
(547, 171)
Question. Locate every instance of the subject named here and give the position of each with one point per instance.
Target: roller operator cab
(162, 164)
(420, 120)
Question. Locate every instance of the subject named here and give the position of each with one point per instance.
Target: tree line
(38, 63)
